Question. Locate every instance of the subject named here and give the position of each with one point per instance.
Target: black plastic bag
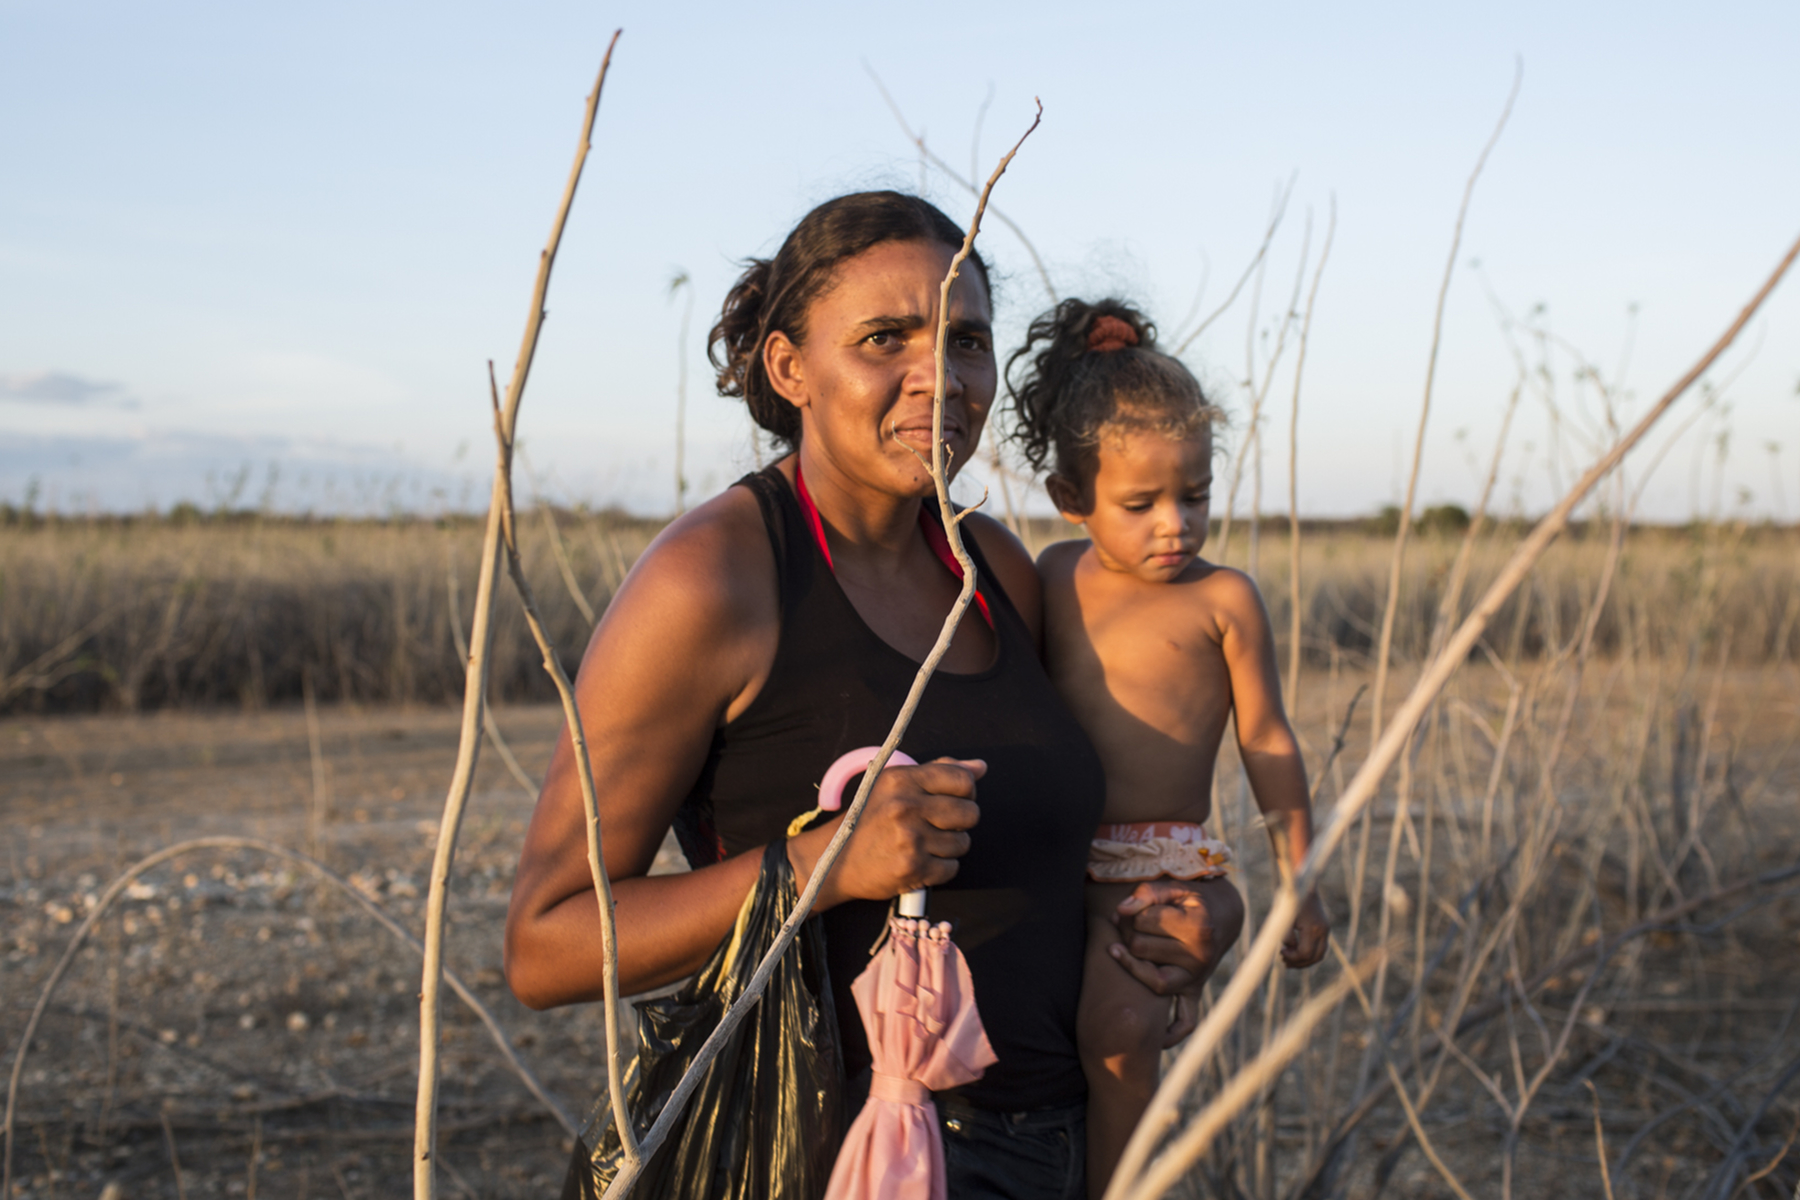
(767, 1118)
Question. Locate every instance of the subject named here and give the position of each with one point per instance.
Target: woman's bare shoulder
(1011, 564)
(712, 564)
(1005, 553)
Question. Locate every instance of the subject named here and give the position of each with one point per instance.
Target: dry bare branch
(1242, 1088)
(680, 281)
(1386, 645)
(1259, 393)
(590, 800)
(1312, 296)
(475, 689)
(1600, 1140)
(563, 565)
(968, 185)
(50, 667)
(1412, 1115)
(488, 721)
(1262, 251)
(320, 808)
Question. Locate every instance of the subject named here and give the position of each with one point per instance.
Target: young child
(1154, 648)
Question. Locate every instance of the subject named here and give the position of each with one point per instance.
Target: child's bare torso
(1142, 667)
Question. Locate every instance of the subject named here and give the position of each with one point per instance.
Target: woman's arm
(689, 636)
(685, 646)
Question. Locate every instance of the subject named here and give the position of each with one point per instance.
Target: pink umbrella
(925, 1035)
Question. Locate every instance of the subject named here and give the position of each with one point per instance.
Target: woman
(777, 626)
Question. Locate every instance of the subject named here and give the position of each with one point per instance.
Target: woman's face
(864, 379)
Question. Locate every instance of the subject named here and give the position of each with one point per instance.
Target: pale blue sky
(238, 233)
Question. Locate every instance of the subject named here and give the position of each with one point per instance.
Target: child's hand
(1306, 942)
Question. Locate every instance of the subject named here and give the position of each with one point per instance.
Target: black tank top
(1017, 896)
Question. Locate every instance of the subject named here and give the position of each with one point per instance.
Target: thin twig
(968, 185)
(320, 808)
(1243, 1087)
(1771, 1164)
(609, 935)
(38, 673)
(1385, 647)
(1600, 1140)
(174, 1156)
(561, 552)
(1312, 296)
(475, 689)
(1459, 572)
(489, 723)
(680, 280)
(1262, 251)
(1337, 742)
(752, 993)
(1163, 1109)
(1377, 1039)
(1258, 393)
(1739, 1145)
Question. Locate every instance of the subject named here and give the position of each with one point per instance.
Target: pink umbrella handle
(831, 798)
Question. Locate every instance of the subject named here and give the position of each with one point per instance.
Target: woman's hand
(1305, 943)
(1173, 933)
(912, 832)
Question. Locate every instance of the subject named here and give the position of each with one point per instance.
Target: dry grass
(140, 614)
(145, 613)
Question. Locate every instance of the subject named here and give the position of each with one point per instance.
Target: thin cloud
(63, 388)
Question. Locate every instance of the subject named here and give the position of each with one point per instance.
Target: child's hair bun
(1086, 366)
(1110, 333)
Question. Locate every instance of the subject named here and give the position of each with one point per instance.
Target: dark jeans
(991, 1155)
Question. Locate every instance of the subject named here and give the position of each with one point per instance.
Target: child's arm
(1269, 750)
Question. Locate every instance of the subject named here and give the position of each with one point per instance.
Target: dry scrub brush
(146, 613)
(102, 615)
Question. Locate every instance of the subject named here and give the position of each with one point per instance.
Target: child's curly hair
(1093, 366)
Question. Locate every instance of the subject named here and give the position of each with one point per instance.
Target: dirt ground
(236, 1029)
(232, 1014)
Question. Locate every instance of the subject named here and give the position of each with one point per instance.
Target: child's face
(1152, 495)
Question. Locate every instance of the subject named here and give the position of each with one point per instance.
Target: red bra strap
(934, 537)
(940, 545)
(811, 511)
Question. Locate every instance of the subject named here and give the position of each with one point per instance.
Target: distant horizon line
(1381, 522)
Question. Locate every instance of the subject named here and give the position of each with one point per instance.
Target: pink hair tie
(1109, 333)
